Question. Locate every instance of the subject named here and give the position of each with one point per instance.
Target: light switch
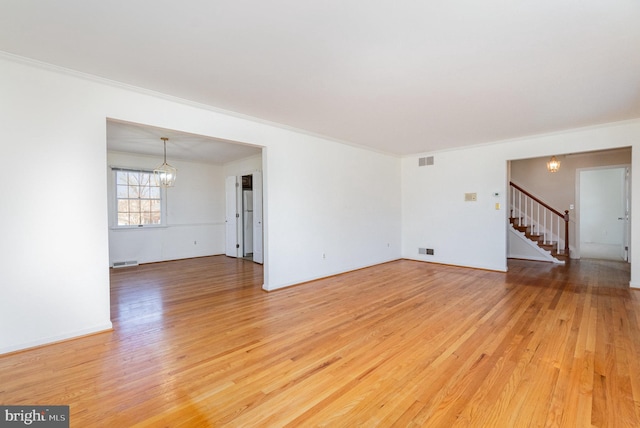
(497, 205)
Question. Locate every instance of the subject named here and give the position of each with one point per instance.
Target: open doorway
(244, 228)
(561, 190)
(192, 213)
(603, 213)
(247, 217)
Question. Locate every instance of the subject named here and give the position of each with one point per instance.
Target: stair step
(551, 248)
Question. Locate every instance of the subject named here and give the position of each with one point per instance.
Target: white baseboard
(54, 339)
(268, 287)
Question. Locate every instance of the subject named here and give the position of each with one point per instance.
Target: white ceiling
(145, 140)
(403, 77)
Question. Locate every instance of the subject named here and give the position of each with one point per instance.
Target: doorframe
(239, 215)
(627, 190)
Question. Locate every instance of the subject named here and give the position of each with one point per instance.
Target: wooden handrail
(565, 215)
(553, 210)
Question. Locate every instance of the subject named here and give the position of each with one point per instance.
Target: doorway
(244, 230)
(604, 212)
(247, 217)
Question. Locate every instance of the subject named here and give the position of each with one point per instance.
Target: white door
(258, 256)
(231, 222)
(603, 213)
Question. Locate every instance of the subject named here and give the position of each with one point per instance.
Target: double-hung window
(138, 198)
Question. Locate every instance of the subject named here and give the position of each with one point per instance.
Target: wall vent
(426, 251)
(125, 264)
(425, 161)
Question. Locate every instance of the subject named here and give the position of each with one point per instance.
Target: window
(138, 198)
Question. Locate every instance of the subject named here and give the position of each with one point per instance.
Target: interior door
(257, 218)
(231, 222)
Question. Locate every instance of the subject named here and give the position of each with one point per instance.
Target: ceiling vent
(426, 161)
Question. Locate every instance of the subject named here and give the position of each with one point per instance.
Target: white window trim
(114, 210)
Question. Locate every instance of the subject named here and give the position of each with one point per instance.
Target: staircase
(537, 227)
(548, 250)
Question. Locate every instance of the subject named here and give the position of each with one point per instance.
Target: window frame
(163, 211)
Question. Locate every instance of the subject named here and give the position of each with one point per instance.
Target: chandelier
(165, 174)
(553, 165)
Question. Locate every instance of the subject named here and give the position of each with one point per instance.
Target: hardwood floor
(198, 343)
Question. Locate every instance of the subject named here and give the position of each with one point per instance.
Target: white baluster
(513, 200)
(531, 214)
(519, 208)
(538, 217)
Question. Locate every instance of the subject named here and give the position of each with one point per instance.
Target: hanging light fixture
(165, 174)
(553, 165)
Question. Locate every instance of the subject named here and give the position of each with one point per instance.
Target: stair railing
(531, 211)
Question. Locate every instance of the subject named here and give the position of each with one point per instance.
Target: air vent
(125, 264)
(426, 251)
(425, 161)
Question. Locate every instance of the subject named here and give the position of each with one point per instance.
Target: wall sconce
(553, 165)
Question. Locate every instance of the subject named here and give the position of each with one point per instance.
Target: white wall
(195, 221)
(473, 234)
(243, 166)
(320, 197)
(54, 279)
(435, 214)
(330, 208)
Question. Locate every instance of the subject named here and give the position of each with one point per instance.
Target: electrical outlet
(470, 197)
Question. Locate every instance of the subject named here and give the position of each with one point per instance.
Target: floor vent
(426, 251)
(125, 264)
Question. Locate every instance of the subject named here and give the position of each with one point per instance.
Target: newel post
(566, 232)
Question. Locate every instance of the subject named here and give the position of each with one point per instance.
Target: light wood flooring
(197, 343)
